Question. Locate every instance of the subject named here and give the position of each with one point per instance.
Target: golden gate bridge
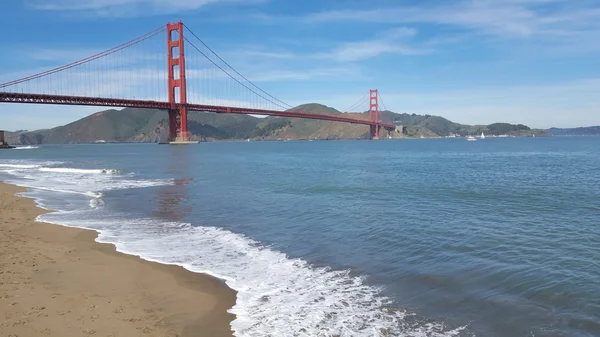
(133, 75)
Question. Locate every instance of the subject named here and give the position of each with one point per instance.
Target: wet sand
(58, 282)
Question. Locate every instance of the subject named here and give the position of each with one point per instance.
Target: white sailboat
(482, 136)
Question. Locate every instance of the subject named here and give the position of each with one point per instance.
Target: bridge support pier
(178, 121)
(374, 113)
(174, 124)
(374, 132)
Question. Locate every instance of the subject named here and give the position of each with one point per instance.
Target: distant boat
(471, 138)
(482, 136)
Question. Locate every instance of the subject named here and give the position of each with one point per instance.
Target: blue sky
(472, 61)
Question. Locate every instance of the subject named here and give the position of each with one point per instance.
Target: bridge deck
(9, 97)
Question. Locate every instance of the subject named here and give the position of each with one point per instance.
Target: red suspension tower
(178, 123)
(374, 112)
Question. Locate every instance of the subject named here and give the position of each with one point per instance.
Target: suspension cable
(227, 64)
(228, 74)
(357, 104)
(381, 100)
(88, 59)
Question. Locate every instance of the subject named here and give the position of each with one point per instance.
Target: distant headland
(146, 125)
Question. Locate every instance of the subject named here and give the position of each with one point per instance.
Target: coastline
(57, 281)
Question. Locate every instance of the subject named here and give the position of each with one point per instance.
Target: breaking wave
(79, 171)
(28, 147)
(276, 295)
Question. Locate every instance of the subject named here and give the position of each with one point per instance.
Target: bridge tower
(374, 112)
(178, 121)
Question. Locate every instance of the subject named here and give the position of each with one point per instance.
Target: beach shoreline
(58, 281)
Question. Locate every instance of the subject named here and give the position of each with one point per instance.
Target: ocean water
(433, 237)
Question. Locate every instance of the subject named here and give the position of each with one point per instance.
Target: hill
(299, 128)
(148, 125)
(426, 125)
(145, 125)
(582, 131)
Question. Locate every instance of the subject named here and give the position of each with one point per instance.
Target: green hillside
(581, 131)
(444, 127)
(148, 125)
(143, 125)
(300, 128)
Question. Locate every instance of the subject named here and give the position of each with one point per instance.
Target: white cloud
(262, 54)
(563, 104)
(60, 56)
(516, 18)
(392, 41)
(281, 75)
(125, 8)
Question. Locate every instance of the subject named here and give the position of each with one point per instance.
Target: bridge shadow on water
(173, 199)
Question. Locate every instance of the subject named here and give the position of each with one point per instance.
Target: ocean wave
(28, 147)
(88, 182)
(91, 194)
(19, 166)
(96, 202)
(79, 171)
(276, 295)
(92, 188)
(95, 195)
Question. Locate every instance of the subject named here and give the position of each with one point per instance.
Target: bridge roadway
(9, 97)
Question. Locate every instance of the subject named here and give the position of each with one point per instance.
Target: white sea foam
(90, 194)
(28, 147)
(19, 166)
(49, 176)
(96, 202)
(79, 171)
(277, 295)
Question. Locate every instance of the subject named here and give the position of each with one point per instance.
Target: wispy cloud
(392, 41)
(124, 8)
(516, 18)
(262, 54)
(565, 104)
(562, 104)
(308, 74)
(58, 55)
(484, 47)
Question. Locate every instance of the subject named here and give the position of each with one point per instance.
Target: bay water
(430, 237)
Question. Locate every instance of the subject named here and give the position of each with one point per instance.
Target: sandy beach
(58, 282)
